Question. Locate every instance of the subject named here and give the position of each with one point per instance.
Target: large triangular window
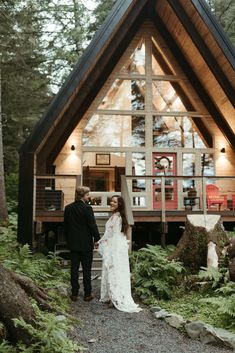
(143, 87)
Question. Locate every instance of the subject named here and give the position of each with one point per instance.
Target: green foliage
(12, 191)
(44, 270)
(100, 13)
(231, 234)
(49, 333)
(213, 275)
(49, 336)
(224, 11)
(6, 347)
(225, 304)
(191, 306)
(153, 275)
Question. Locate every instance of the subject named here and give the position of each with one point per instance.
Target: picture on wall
(103, 159)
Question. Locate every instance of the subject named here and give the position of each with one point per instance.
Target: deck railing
(161, 193)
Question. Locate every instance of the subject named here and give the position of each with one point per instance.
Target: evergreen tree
(99, 14)
(3, 206)
(25, 87)
(224, 10)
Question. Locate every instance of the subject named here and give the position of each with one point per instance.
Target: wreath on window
(162, 166)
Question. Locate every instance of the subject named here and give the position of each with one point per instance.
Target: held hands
(96, 245)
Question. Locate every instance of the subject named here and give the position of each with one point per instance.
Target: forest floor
(107, 330)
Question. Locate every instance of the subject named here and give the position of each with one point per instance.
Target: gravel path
(112, 331)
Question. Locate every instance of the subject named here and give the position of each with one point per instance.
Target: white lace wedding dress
(115, 280)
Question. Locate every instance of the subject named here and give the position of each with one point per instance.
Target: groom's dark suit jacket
(80, 226)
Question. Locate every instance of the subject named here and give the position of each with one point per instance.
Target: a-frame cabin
(152, 98)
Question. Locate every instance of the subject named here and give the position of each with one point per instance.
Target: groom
(81, 233)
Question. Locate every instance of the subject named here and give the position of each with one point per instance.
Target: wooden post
(129, 214)
(164, 223)
(204, 206)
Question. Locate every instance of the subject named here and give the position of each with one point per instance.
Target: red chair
(214, 198)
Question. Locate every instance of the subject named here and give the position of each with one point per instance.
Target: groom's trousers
(85, 258)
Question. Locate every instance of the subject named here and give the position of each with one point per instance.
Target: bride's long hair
(122, 210)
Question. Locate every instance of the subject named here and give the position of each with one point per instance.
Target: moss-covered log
(15, 293)
(199, 231)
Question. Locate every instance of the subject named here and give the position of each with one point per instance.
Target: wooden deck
(142, 216)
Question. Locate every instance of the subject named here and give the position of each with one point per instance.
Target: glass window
(139, 201)
(136, 62)
(125, 95)
(207, 164)
(165, 97)
(138, 168)
(138, 163)
(188, 164)
(160, 64)
(156, 68)
(171, 131)
(106, 176)
(114, 131)
(188, 170)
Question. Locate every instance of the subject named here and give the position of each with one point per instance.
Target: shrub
(153, 274)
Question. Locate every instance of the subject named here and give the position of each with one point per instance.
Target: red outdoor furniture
(214, 198)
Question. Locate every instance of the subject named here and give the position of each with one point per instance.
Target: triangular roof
(172, 19)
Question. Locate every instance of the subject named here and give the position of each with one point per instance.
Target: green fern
(5, 347)
(50, 335)
(225, 308)
(153, 275)
(211, 274)
(227, 290)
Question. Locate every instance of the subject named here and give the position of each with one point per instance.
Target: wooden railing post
(163, 204)
(204, 205)
(129, 213)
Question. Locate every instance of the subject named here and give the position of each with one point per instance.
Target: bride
(113, 246)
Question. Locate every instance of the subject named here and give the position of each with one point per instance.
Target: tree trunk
(199, 231)
(3, 204)
(15, 302)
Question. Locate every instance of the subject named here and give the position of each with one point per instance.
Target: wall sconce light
(222, 150)
(72, 147)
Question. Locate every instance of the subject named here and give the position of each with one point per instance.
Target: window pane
(165, 97)
(125, 95)
(138, 168)
(188, 164)
(207, 164)
(156, 68)
(188, 170)
(138, 163)
(103, 177)
(169, 131)
(136, 62)
(114, 131)
(139, 201)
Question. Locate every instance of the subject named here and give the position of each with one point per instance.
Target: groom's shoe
(74, 298)
(88, 298)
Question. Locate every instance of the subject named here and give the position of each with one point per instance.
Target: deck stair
(60, 247)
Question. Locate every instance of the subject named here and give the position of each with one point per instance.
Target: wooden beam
(194, 80)
(216, 30)
(203, 49)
